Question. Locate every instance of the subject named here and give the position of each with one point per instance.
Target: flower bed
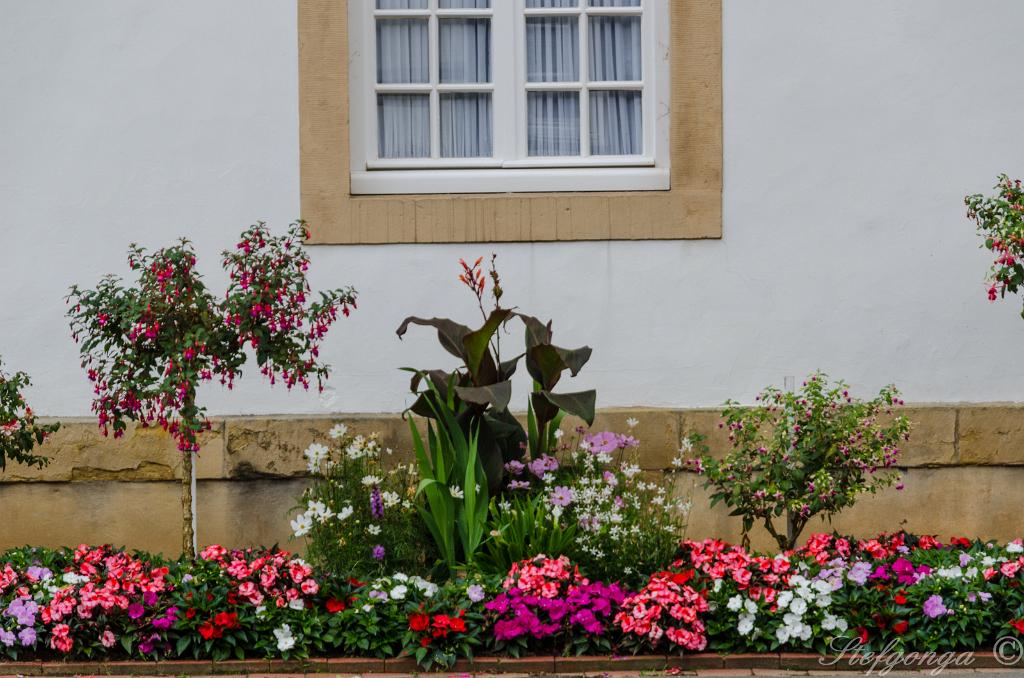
(893, 593)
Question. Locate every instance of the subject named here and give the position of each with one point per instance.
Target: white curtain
(465, 50)
(464, 4)
(553, 123)
(401, 4)
(552, 55)
(403, 125)
(466, 125)
(616, 124)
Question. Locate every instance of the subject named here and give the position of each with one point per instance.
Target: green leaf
(496, 395)
(449, 333)
(581, 404)
(476, 344)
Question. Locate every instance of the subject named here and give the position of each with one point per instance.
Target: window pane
(614, 3)
(552, 49)
(615, 48)
(616, 127)
(465, 50)
(403, 125)
(465, 125)
(550, 3)
(553, 123)
(401, 4)
(465, 4)
(402, 51)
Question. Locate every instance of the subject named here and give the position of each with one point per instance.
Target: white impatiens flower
(373, 529)
(456, 492)
(784, 599)
(297, 604)
(302, 524)
(399, 592)
(954, 572)
(822, 587)
(1015, 547)
(746, 624)
(338, 431)
(315, 454)
(370, 480)
(345, 512)
(632, 422)
(735, 603)
(782, 634)
(798, 606)
(428, 589)
(285, 639)
(750, 606)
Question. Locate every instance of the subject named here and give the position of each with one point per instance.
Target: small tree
(1000, 220)
(147, 347)
(804, 453)
(19, 432)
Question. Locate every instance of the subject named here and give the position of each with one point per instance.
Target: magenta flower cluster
(588, 608)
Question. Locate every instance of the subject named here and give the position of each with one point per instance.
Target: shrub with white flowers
(358, 515)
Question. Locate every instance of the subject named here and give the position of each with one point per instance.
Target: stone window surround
(690, 209)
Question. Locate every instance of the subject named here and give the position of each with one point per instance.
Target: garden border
(791, 661)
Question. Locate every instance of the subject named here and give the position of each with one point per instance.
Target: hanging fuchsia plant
(147, 347)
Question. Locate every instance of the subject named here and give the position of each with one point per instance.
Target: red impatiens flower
(190, 613)
(419, 621)
(1018, 624)
(863, 634)
(334, 606)
(208, 631)
(900, 627)
(900, 598)
(228, 620)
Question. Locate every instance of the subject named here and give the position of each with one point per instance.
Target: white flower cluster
(804, 596)
(319, 512)
(285, 639)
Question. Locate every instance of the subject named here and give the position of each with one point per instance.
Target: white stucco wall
(852, 131)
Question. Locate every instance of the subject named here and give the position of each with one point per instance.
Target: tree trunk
(188, 533)
(792, 531)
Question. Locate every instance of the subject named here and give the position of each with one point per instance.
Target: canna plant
(19, 432)
(478, 392)
(147, 347)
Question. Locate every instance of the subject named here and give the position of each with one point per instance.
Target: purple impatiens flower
(858, 574)
(934, 607)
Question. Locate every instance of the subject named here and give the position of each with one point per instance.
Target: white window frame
(371, 175)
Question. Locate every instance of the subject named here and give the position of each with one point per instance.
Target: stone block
(992, 435)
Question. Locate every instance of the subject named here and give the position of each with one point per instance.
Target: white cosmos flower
(302, 524)
(390, 499)
(632, 422)
(373, 529)
(338, 431)
(345, 512)
(315, 454)
(319, 510)
(370, 480)
(456, 492)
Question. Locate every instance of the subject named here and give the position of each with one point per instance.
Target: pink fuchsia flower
(934, 607)
(561, 496)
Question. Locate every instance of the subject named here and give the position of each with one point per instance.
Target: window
(458, 165)
(486, 96)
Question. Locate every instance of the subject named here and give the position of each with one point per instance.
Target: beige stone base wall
(964, 476)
